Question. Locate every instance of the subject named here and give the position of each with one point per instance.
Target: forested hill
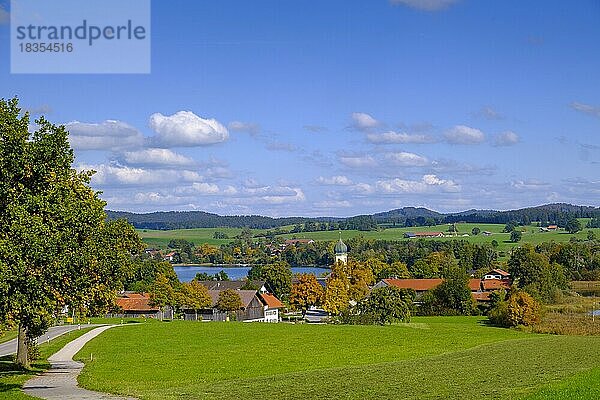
(407, 216)
(200, 219)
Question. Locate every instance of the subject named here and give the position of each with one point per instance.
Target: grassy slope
(12, 380)
(8, 335)
(432, 357)
(530, 235)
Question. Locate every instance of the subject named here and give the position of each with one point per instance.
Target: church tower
(341, 251)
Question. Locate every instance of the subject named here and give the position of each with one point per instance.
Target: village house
(171, 257)
(481, 289)
(257, 305)
(138, 305)
(294, 242)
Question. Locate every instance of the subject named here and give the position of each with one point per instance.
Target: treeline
(558, 214)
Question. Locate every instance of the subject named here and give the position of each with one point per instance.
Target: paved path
(10, 347)
(60, 381)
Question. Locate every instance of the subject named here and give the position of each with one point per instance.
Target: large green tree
(56, 247)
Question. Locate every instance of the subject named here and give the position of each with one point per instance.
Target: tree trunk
(22, 348)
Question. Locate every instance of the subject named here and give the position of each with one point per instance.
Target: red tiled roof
(474, 284)
(271, 301)
(416, 284)
(135, 302)
(495, 284)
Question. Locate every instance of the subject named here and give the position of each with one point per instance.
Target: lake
(187, 273)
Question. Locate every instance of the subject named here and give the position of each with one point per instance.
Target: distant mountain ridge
(406, 216)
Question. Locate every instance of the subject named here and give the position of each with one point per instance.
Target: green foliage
(516, 236)
(475, 231)
(522, 309)
(451, 297)
(220, 235)
(387, 305)
(56, 247)
(306, 292)
(573, 225)
(193, 295)
(336, 297)
(162, 292)
(219, 276)
(534, 273)
(229, 300)
(278, 277)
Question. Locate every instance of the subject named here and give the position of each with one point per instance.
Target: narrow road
(10, 347)
(60, 381)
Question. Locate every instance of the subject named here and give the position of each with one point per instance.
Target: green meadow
(531, 234)
(432, 357)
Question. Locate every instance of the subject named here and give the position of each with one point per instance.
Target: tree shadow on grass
(12, 376)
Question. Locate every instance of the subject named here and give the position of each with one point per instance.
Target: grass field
(8, 335)
(433, 357)
(12, 379)
(531, 234)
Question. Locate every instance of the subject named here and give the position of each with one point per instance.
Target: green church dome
(340, 247)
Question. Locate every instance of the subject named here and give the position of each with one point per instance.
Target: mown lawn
(429, 358)
(12, 379)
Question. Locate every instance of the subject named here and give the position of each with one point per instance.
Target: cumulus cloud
(107, 135)
(297, 196)
(427, 184)
(507, 138)
(405, 159)
(152, 156)
(121, 175)
(363, 121)
(392, 137)
(186, 129)
(358, 161)
(461, 134)
(248, 127)
(426, 5)
(338, 180)
(586, 109)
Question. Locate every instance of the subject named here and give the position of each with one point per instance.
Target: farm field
(432, 357)
(531, 234)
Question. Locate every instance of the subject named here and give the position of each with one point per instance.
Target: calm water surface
(188, 273)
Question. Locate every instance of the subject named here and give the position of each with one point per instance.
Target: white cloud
(248, 127)
(405, 159)
(153, 156)
(338, 180)
(529, 185)
(358, 161)
(462, 134)
(363, 121)
(186, 129)
(426, 5)
(119, 175)
(392, 137)
(298, 196)
(362, 188)
(507, 138)
(4, 16)
(205, 188)
(586, 109)
(427, 184)
(107, 135)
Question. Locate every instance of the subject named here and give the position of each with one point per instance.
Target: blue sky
(340, 107)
